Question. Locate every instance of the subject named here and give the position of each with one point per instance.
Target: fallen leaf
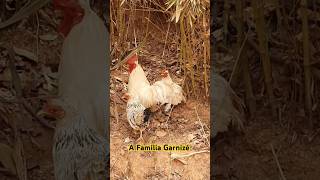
(161, 133)
(19, 160)
(182, 161)
(48, 37)
(3, 114)
(191, 137)
(118, 78)
(5, 75)
(127, 140)
(25, 53)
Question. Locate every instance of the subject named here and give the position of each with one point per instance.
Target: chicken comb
(72, 14)
(132, 59)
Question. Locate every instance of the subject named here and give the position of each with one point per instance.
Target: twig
(49, 20)
(201, 124)
(17, 86)
(237, 61)
(149, 9)
(176, 156)
(278, 164)
(159, 29)
(169, 116)
(37, 35)
(34, 115)
(165, 43)
(135, 37)
(116, 112)
(25, 11)
(3, 100)
(170, 138)
(18, 154)
(136, 50)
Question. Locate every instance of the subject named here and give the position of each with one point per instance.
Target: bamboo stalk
(206, 56)
(306, 61)
(226, 12)
(278, 13)
(183, 52)
(120, 23)
(264, 51)
(244, 63)
(190, 58)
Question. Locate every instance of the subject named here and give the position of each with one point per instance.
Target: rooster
(80, 143)
(138, 84)
(148, 96)
(161, 92)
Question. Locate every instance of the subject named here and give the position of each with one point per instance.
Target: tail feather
(168, 91)
(78, 151)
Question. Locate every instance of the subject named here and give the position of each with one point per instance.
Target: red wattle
(132, 59)
(132, 67)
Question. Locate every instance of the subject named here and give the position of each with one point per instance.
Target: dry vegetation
(269, 51)
(172, 37)
(29, 59)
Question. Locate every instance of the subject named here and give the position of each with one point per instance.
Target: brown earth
(250, 156)
(183, 126)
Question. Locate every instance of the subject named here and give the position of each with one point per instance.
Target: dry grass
(188, 20)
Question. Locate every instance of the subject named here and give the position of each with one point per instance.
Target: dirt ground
(244, 157)
(183, 126)
(250, 156)
(36, 139)
(37, 75)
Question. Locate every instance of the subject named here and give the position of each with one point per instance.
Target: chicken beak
(125, 97)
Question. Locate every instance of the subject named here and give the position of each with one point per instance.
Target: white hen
(80, 138)
(161, 92)
(164, 91)
(168, 91)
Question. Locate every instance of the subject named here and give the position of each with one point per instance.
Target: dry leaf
(118, 78)
(182, 161)
(191, 137)
(48, 37)
(127, 140)
(218, 34)
(5, 75)
(3, 114)
(161, 133)
(25, 53)
(116, 113)
(19, 159)
(177, 156)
